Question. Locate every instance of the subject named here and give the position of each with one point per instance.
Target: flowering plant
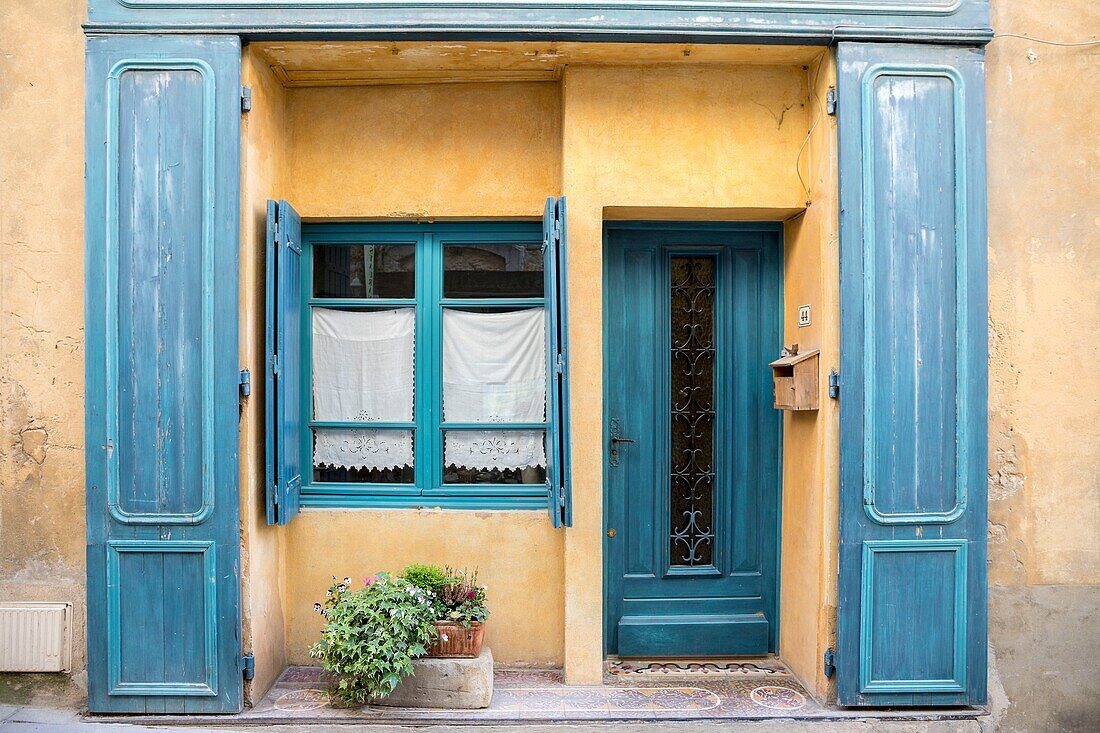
(460, 599)
(372, 634)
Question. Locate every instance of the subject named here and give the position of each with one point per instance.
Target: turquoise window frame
(428, 426)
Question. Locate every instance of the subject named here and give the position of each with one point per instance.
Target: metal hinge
(275, 494)
(246, 99)
(559, 364)
(834, 384)
(830, 102)
(829, 666)
(275, 364)
(248, 666)
(245, 383)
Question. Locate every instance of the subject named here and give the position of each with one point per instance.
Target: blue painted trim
(465, 503)
(111, 246)
(870, 298)
(871, 548)
(210, 617)
(775, 21)
(428, 426)
(871, 8)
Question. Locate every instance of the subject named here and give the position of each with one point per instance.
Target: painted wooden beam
(776, 21)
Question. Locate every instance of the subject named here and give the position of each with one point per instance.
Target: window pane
(494, 365)
(363, 364)
(494, 457)
(364, 271)
(492, 271)
(363, 456)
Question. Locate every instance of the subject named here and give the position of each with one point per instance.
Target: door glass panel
(492, 271)
(364, 271)
(691, 478)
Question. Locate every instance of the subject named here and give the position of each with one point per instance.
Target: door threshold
(617, 669)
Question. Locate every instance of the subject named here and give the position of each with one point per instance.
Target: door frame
(774, 227)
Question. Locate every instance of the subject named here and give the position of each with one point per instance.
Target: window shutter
(557, 371)
(284, 361)
(911, 618)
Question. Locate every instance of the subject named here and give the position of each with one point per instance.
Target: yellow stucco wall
(469, 150)
(263, 162)
(810, 439)
(41, 307)
(1044, 297)
(656, 141)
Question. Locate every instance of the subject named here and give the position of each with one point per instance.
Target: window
(430, 367)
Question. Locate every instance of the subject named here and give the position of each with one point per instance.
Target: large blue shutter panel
(912, 606)
(162, 141)
(284, 362)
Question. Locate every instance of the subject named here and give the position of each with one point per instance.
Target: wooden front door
(693, 315)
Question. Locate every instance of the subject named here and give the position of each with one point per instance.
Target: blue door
(693, 315)
(161, 372)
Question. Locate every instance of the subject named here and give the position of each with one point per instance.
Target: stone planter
(464, 684)
(456, 641)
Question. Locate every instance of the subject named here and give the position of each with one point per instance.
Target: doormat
(754, 668)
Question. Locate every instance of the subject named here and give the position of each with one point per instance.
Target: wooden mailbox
(795, 380)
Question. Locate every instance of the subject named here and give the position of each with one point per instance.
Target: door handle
(615, 440)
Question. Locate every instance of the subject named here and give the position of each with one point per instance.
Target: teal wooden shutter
(557, 364)
(912, 607)
(161, 223)
(284, 362)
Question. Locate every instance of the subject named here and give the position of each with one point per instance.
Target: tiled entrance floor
(668, 691)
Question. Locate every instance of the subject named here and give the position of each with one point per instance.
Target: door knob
(615, 440)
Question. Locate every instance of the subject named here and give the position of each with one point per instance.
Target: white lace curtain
(494, 371)
(363, 369)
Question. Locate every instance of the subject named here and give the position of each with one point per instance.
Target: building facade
(295, 290)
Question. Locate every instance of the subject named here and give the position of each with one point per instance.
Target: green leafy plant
(373, 634)
(429, 577)
(460, 599)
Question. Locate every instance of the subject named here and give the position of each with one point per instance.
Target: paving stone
(446, 683)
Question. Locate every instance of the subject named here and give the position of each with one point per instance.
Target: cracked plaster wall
(41, 307)
(1044, 380)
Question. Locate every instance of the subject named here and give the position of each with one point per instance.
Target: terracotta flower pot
(456, 641)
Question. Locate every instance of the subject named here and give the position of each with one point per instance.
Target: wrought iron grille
(692, 410)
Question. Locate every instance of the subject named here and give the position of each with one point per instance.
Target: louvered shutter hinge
(829, 663)
(245, 382)
(248, 666)
(246, 99)
(830, 102)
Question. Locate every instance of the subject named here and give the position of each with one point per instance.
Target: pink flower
(370, 580)
(470, 594)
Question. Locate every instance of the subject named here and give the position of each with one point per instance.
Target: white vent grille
(35, 637)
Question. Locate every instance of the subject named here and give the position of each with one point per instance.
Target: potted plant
(373, 634)
(459, 605)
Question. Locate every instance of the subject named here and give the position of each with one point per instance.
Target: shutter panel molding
(283, 398)
(911, 618)
(558, 474)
